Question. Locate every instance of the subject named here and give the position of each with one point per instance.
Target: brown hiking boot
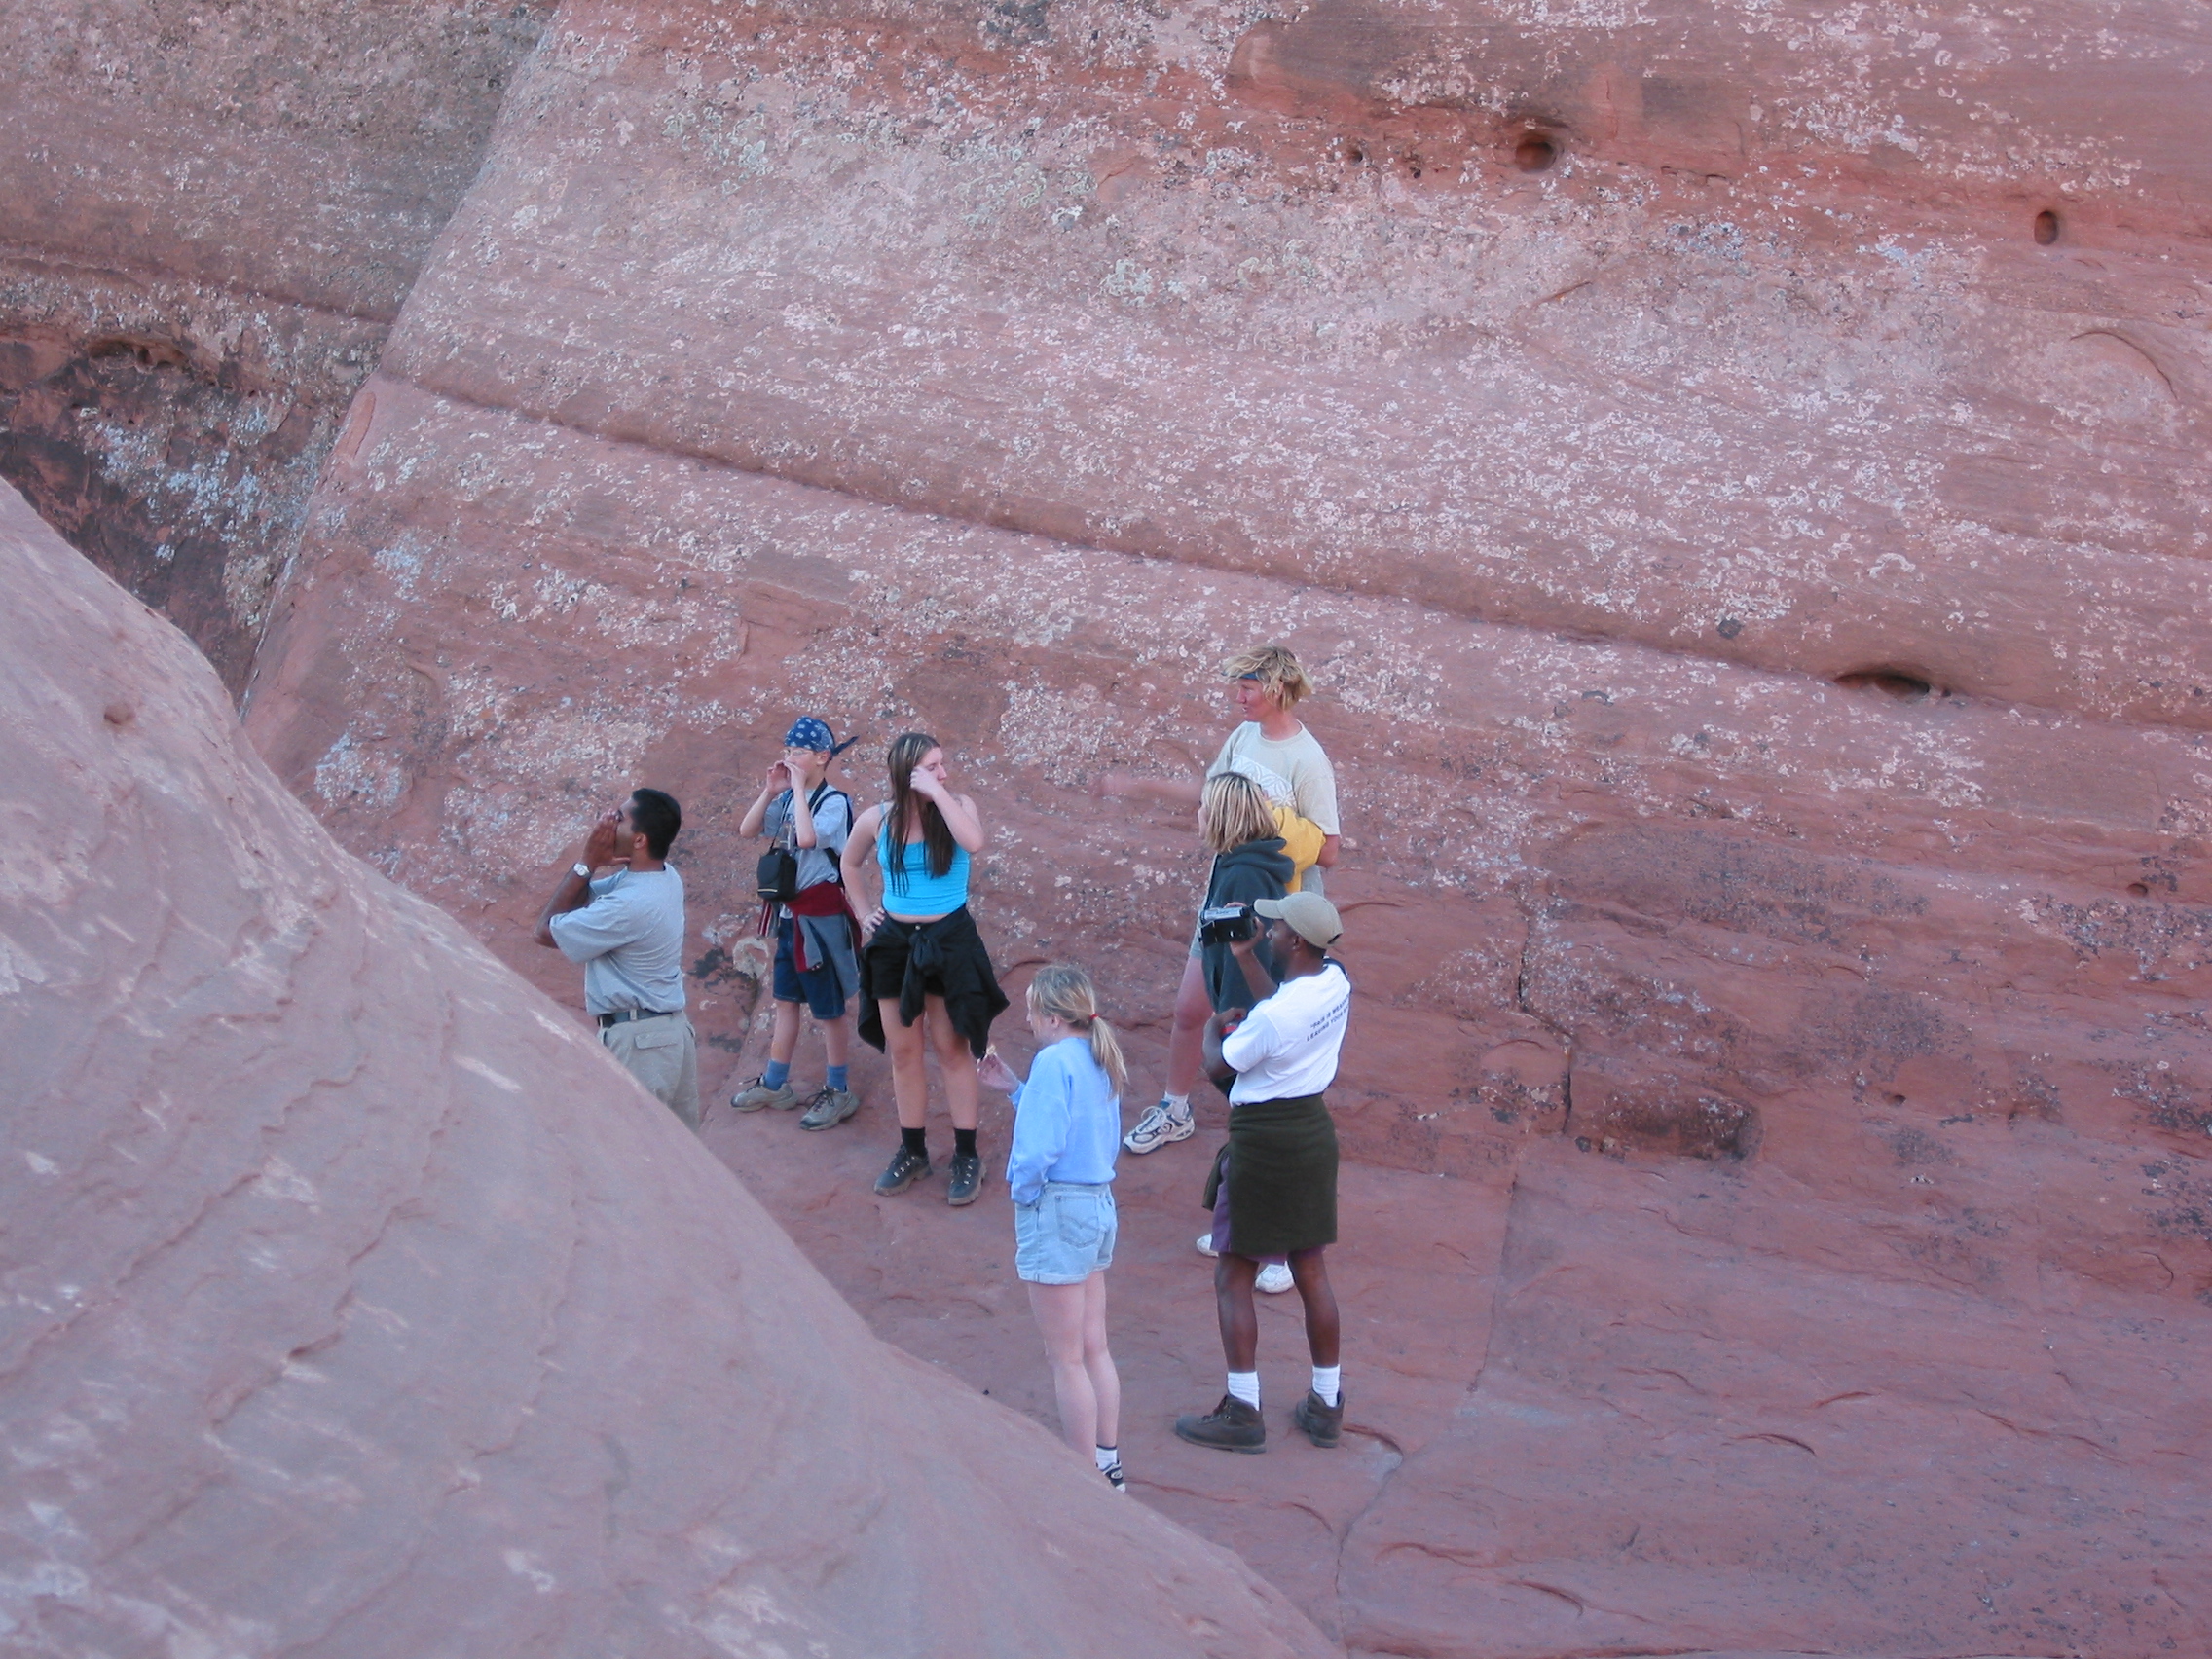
(1231, 1427)
(1324, 1426)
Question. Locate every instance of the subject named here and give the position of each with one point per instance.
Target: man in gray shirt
(627, 929)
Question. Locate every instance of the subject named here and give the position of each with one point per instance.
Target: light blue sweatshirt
(1067, 1123)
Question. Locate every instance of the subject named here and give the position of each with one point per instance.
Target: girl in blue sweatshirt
(1067, 1130)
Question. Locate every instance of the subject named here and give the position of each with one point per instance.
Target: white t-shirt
(1287, 1045)
(832, 826)
(1291, 771)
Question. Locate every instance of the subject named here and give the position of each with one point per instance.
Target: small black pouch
(779, 875)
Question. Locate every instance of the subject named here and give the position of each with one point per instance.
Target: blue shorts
(817, 987)
(1066, 1235)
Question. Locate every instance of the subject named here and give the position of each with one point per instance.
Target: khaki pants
(663, 1055)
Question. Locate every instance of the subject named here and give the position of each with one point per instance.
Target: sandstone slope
(357, 1305)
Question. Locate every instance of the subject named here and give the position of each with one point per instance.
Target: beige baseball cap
(1312, 915)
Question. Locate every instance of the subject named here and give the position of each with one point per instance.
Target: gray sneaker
(756, 1095)
(829, 1108)
(1160, 1126)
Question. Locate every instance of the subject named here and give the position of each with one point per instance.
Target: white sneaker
(1205, 1245)
(1274, 1278)
(1159, 1125)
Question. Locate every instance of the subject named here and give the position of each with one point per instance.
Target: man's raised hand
(599, 845)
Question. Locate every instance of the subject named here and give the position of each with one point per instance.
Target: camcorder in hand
(1225, 924)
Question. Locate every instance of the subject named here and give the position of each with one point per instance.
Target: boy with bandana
(817, 938)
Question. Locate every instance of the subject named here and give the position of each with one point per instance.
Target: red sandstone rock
(209, 215)
(358, 1304)
(1873, 960)
(1756, 589)
(1768, 367)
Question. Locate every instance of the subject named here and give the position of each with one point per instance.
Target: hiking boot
(1159, 1125)
(829, 1108)
(1231, 1427)
(1273, 1279)
(963, 1179)
(756, 1095)
(1324, 1426)
(905, 1169)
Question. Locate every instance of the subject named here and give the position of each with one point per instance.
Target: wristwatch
(582, 872)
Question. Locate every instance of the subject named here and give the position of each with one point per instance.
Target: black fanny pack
(776, 876)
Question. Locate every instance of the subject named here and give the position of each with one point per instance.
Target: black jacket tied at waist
(1281, 1165)
(945, 958)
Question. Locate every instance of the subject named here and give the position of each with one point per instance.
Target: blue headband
(807, 732)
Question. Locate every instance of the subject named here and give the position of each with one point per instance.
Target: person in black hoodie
(1238, 827)
(1238, 821)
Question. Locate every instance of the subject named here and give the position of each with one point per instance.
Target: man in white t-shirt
(627, 929)
(1274, 1191)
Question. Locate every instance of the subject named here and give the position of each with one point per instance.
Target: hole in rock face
(2047, 226)
(1534, 153)
(1355, 151)
(2138, 890)
(1902, 684)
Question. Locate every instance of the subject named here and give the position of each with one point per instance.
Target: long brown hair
(906, 752)
(1064, 991)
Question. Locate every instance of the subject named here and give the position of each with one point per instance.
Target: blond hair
(1275, 667)
(1232, 811)
(1064, 991)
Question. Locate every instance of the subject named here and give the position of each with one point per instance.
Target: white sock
(1245, 1387)
(1178, 1105)
(1109, 1456)
(1326, 1379)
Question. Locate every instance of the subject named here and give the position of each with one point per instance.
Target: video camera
(1225, 924)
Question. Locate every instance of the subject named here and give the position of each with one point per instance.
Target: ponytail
(1108, 1054)
(1066, 992)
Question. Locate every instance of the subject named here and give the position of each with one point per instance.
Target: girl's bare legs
(910, 1066)
(955, 1060)
(1073, 1320)
(1098, 1361)
(1193, 1009)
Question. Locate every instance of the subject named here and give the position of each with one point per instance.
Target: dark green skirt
(1281, 1165)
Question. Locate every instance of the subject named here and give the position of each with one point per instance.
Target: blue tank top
(924, 894)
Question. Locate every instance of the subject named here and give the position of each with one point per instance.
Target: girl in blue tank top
(926, 980)
(906, 878)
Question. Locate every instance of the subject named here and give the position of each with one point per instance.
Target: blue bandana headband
(807, 732)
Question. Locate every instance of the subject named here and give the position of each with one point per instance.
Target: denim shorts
(1066, 1235)
(817, 987)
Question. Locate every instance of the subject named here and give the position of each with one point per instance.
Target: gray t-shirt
(630, 938)
(832, 827)
(1291, 772)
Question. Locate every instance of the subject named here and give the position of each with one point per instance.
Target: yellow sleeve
(1302, 840)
